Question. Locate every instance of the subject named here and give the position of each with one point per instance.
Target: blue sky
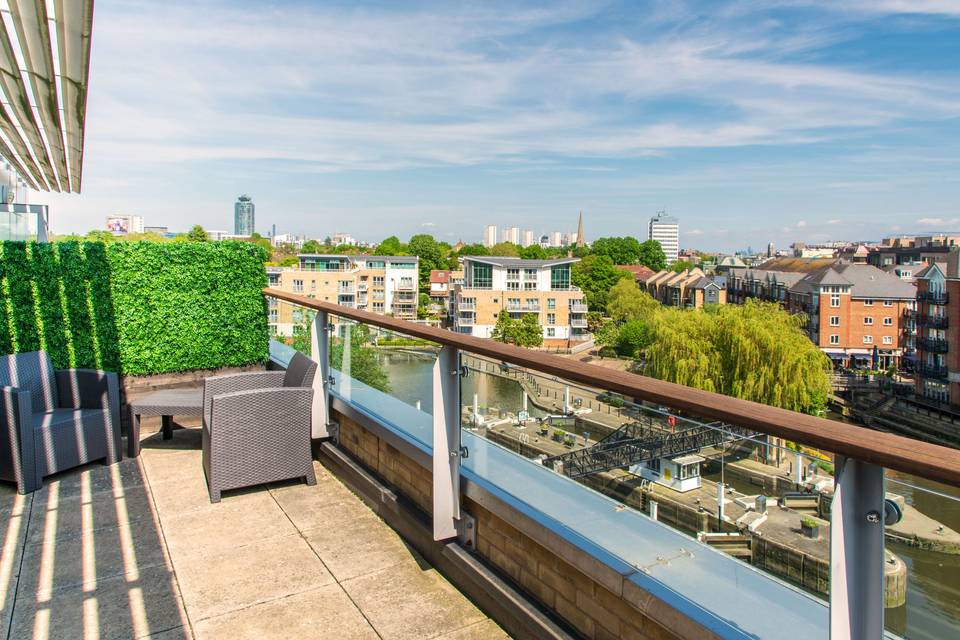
(750, 121)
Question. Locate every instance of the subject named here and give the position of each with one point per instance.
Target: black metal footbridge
(635, 442)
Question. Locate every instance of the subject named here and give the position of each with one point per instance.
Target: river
(932, 610)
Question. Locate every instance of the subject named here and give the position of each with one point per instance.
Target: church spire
(580, 241)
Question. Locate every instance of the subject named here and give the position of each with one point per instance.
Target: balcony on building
(578, 307)
(932, 345)
(933, 297)
(934, 371)
(937, 321)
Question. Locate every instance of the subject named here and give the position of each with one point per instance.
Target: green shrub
(135, 307)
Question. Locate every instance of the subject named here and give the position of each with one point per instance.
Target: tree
(431, 256)
(311, 246)
(391, 247)
(633, 337)
(505, 250)
(364, 364)
(682, 265)
(533, 252)
(652, 255)
(624, 250)
(423, 306)
(627, 302)
(596, 275)
(525, 332)
(756, 351)
(528, 332)
(475, 249)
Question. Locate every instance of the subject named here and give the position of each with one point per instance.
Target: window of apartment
(529, 286)
(834, 339)
(513, 285)
(560, 277)
(551, 303)
(867, 339)
(313, 285)
(868, 302)
(888, 303)
(531, 303)
(481, 276)
(834, 300)
(888, 322)
(868, 320)
(298, 286)
(513, 302)
(406, 282)
(376, 264)
(551, 332)
(551, 318)
(297, 315)
(529, 274)
(378, 307)
(887, 339)
(834, 321)
(513, 274)
(378, 281)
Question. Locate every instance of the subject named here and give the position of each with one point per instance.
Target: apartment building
(511, 234)
(490, 235)
(381, 284)
(542, 287)
(937, 370)
(858, 315)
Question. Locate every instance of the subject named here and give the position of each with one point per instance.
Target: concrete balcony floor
(136, 550)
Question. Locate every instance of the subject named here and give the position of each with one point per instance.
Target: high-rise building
(665, 230)
(511, 234)
(490, 235)
(527, 239)
(243, 219)
(556, 239)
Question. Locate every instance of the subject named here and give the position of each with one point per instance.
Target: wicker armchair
(51, 421)
(256, 427)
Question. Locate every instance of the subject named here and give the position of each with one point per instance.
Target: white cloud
(694, 232)
(801, 224)
(834, 221)
(937, 222)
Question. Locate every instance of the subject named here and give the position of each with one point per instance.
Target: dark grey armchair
(256, 427)
(52, 420)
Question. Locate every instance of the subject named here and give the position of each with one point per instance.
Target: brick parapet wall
(547, 571)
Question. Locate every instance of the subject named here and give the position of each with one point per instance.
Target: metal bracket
(467, 531)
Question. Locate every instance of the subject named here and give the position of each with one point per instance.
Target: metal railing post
(320, 351)
(856, 551)
(446, 443)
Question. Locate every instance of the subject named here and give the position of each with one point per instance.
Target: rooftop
(136, 549)
(520, 262)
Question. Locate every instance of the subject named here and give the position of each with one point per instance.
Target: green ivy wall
(135, 307)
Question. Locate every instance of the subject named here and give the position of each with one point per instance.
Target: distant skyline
(750, 122)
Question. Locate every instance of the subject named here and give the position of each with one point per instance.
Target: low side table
(165, 403)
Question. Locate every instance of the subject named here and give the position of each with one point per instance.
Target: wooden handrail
(888, 450)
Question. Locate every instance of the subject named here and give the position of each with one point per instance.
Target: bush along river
(932, 609)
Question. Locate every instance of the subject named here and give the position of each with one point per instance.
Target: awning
(42, 128)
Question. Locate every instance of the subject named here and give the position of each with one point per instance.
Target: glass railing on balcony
(523, 308)
(578, 307)
(466, 306)
(578, 323)
(708, 507)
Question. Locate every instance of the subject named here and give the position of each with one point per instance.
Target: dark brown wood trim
(888, 450)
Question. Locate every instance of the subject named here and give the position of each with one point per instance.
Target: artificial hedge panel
(135, 307)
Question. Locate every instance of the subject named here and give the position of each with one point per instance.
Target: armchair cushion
(31, 372)
(86, 389)
(67, 437)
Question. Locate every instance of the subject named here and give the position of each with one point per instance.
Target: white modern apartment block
(527, 239)
(343, 238)
(490, 235)
(511, 234)
(665, 230)
(520, 287)
(287, 238)
(121, 224)
(556, 239)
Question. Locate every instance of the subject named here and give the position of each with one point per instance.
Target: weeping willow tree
(756, 352)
